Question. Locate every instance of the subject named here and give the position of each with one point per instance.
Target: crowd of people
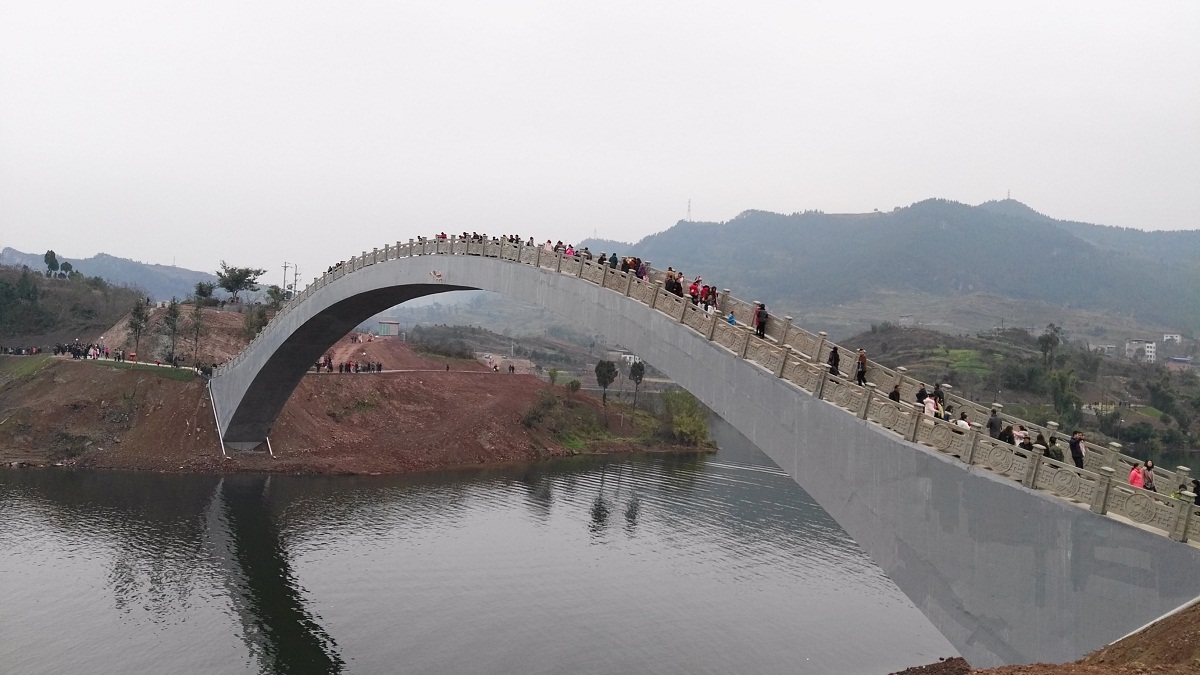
(79, 351)
(20, 351)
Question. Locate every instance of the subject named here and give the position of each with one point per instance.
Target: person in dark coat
(760, 320)
(834, 360)
(922, 394)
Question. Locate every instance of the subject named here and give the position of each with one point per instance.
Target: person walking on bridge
(834, 360)
(1078, 449)
(760, 320)
(860, 368)
(994, 424)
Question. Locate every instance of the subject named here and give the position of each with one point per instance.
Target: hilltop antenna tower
(689, 215)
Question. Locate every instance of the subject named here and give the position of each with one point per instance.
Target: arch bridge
(1013, 556)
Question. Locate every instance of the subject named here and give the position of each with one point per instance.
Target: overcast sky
(305, 131)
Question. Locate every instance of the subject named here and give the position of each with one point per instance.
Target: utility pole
(286, 265)
(295, 277)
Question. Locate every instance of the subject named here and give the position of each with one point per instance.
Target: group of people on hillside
(20, 351)
(92, 350)
(354, 366)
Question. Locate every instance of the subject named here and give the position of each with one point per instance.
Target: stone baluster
(629, 283)
(655, 290)
(816, 355)
(723, 302)
(712, 325)
(822, 377)
(387, 251)
(558, 263)
(410, 248)
(579, 272)
(900, 377)
(784, 352)
(787, 326)
(375, 255)
(1034, 463)
(1112, 455)
(1183, 512)
(683, 310)
(975, 435)
(918, 417)
(745, 344)
(1183, 476)
(1100, 497)
(866, 406)
(537, 258)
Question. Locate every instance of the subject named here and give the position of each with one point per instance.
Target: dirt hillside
(417, 415)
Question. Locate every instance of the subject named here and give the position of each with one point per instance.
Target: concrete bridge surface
(1014, 557)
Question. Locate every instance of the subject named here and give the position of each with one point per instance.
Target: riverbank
(418, 416)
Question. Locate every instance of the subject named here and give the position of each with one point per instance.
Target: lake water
(705, 564)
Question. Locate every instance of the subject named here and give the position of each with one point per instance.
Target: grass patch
(1149, 411)
(19, 367)
(968, 361)
(177, 374)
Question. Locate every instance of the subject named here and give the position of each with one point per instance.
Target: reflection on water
(676, 564)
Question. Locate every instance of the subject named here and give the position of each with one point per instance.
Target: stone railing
(799, 357)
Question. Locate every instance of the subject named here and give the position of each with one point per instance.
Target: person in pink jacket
(1136, 479)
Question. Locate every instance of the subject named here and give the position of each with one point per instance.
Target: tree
(276, 296)
(171, 325)
(196, 328)
(26, 289)
(51, 263)
(1048, 342)
(573, 388)
(256, 320)
(552, 374)
(138, 318)
(684, 417)
(238, 279)
(204, 290)
(67, 269)
(606, 374)
(637, 371)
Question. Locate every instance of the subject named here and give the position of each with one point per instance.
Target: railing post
(375, 255)
(452, 240)
(723, 302)
(410, 248)
(683, 313)
(970, 458)
(582, 262)
(866, 406)
(628, 283)
(822, 377)
(918, 417)
(1035, 463)
(787, 326)
(655, 291)
(558, 263)
(1183, 509)
(1112, 455)
(1100, 498)
(1183, 476)
(712, 325)
(784, 352)
(745, 344)
(537, 258)
(387, 252)
(816, 355)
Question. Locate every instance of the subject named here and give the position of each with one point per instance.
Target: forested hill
(811, 260)
(161, 282)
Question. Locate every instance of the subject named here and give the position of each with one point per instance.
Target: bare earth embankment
(95, 414)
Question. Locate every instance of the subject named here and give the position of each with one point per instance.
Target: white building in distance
(1149, 350)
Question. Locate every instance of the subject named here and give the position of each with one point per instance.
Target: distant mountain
(941, 248)
(160, 282)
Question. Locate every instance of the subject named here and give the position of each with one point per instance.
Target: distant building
(1180, 363)
(906, 321)
(1107, 350)
(616, 356)
(1149, 350)
(389, 328)
(1172, 337)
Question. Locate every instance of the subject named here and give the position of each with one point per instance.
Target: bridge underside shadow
(1007, 574)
